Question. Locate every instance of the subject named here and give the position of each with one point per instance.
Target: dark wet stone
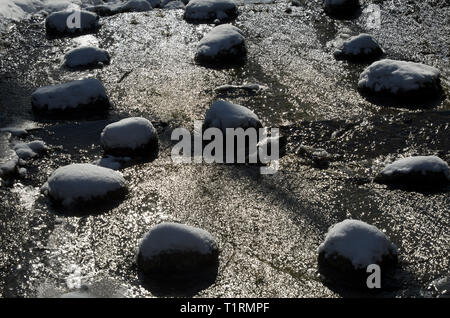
(56, 23)
(346, 9)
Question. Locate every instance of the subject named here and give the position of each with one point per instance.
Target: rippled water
(268, 227)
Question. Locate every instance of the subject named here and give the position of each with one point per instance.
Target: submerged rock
(351, 246)
(71, 22)
(87, 96)
(416, 172)
(176, 248)
(210, 10)
(122, 7)
(359, 48)
(224, 44)
(86, 56)
(130, 137)
(341, 8)
(403, 81)
(80, 184)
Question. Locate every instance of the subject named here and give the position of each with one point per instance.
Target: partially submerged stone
(359, 48)
(400, 80)
(210, 10)
(130, 137)
(341, 8)
(71, 22)
(224, 44)
(30, 150)
(82, 97)
(84, 184)
(86, 56)
(351, 246)
(172, 248)
(416, 172)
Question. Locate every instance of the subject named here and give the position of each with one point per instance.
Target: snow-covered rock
(416, 172)
(9, 168)
(71, 22)
(353, 245)
(86, 56)
(342, 8)
(406, 81)
(223, 44)
(223, 114)
(210, 10)
(112, 162)
(29, 150)
(14, 131)
(116, 7)
(130, 136)
(171, 5)
(362, 47)
(83, 183)
(171, 247)
(87, 95)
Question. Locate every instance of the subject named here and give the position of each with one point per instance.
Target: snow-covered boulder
(341, 8)
(406, 81)
(350, 246)
(176, 248)
(172, 5)
(73, 98)
(362, 47)
(416, 172)
(82, 183)
(9, 168)
(130, 137)
(223, 114)
(122, 7)
(71, 22)
(210, 10)
(29, 150)
(112, 162)
(224, 44)
(86, 56)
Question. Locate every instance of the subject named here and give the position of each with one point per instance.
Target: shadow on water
(180, 285)
(415, 102)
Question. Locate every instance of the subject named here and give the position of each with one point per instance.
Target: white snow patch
(69, 95)
(357, 241)
(223, 114)
(395, 76)
(132, 133)
(221, 38)
(255, 88)
(209, 9)
(173, 237)
(82, 181)
(422, 164)
(17, 132)
(85, 56)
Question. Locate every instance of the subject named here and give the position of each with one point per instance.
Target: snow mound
(71, 22)
(356, 242)
(405, 79)
(86, 56)
(360, 47)
(224, 43)
(82, 95)
(341, 8)
(171, 247)
(83, 183)
(210, 10)
(223, 114)
(29, 150)
(14, 131)
(135, 135)
(416, 171)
